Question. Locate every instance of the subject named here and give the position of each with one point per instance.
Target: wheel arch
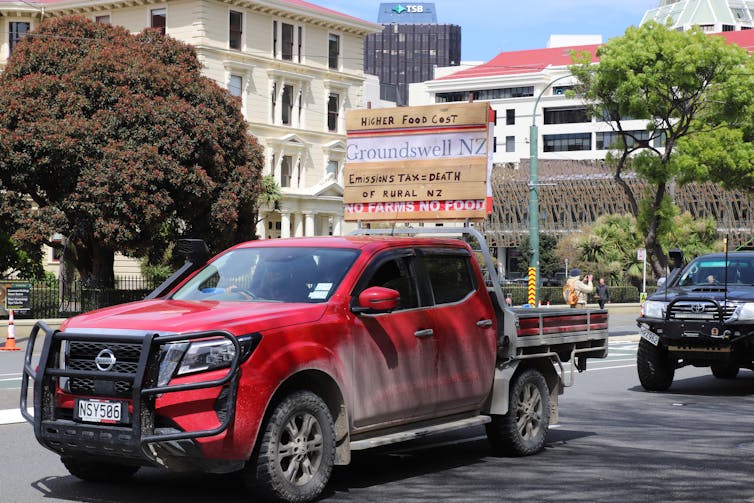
(498, 403)
(324, 386)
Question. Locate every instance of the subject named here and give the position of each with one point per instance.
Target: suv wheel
(296, 452)
(655, 367)
(522, 431)
(725, 371)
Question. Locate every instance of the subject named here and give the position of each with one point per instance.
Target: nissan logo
(697, 308)
(105, 360)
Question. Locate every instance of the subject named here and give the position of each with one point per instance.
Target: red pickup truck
(278, 358)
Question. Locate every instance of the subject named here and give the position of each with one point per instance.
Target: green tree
(549, 263)
(608, 248)
(15, 260)
(695, 91)
(114, 139)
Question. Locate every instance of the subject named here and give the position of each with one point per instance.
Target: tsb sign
(409, 8)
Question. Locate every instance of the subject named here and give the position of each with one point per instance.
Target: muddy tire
(523, 430)
(98, 471)
(296, 451)
(655, 367)
(725, 371)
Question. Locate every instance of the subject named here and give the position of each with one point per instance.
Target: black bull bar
(58, 434)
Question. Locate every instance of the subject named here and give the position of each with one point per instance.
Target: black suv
(702, 316)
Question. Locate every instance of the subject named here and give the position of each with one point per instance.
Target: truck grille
(699, 310)
(81, 356)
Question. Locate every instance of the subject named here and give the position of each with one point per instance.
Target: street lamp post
(534, 190)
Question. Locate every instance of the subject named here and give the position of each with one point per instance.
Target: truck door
(466, 336)
(393, 354)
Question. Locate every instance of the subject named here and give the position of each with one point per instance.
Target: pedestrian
(578, 289)
(602, 293)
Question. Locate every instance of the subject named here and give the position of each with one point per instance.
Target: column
(309, 228)
(285, 224)
(279, 86)
(262, 225)
(275, 171)
(296, 119)
(298, 225)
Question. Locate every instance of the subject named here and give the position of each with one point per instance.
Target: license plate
(101, 411)
(650, 336)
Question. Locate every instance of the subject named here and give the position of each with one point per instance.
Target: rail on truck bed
(559, 334)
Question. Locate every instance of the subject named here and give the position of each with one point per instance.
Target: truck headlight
(654, 309)
(746, 311)
(184, 358)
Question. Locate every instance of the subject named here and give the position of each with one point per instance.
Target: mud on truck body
(279, 358)
(703, 315)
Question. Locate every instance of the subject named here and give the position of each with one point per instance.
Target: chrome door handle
(484, 323)
(427, 332)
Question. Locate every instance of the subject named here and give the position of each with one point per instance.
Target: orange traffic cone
(10, 341)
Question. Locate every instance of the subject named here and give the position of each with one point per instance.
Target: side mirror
(377, 299)
(661, 281)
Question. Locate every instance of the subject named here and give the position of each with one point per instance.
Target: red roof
(536, 60)
(528, 61)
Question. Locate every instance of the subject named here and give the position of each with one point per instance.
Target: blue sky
(489, 27)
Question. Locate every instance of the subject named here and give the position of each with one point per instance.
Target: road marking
(12, 416)
(615, 367)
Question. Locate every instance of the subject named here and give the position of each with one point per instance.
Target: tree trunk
(94, 264)
(656, 254)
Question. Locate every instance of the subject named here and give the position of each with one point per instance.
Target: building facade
(712, 16)
(409, 47)
(296, 66)
(576, 186)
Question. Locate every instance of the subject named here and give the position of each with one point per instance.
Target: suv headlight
(185, 358)
(654, 309)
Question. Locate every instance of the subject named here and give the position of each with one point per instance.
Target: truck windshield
(706, 271)
(270, 274)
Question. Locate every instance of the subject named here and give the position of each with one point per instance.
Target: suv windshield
(706, 271)
(270, 274)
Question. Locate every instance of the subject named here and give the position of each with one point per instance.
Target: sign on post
(15, 295)
(641, 254)
(418, 163)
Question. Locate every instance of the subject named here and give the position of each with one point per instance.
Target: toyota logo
(697, 308)
(105, 360)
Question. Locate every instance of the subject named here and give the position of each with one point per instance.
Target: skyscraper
(410, 45)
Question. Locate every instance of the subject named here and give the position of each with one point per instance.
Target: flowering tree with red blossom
(112, 139)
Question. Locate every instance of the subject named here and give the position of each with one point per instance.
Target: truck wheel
(93, 470)
(296, 452)
(655, 367)
(725, 371)
(522, 431)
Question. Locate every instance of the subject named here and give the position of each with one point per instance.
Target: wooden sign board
(418, 163)
(446, 115)
(446, 179)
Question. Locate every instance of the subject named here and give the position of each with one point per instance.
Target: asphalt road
(614, 442)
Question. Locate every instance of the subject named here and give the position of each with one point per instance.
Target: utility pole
(534, 191)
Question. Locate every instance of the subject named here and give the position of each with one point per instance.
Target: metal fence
(49, 300)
